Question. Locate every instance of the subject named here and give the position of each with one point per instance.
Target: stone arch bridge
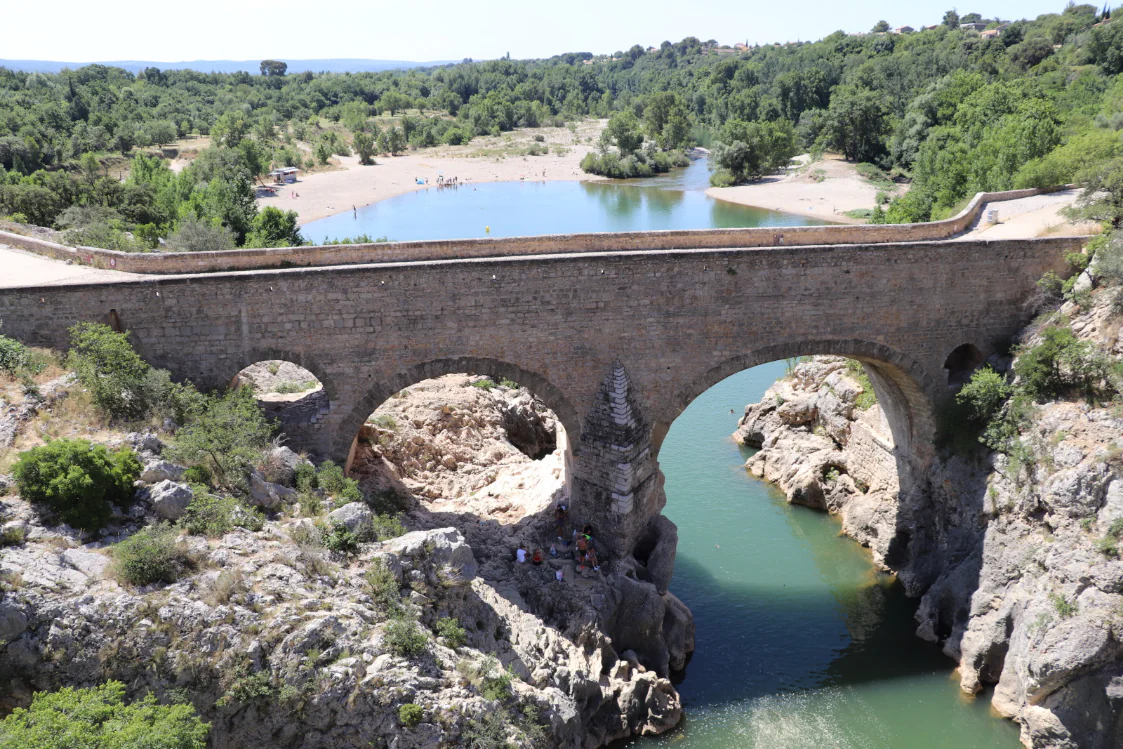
(617, 343)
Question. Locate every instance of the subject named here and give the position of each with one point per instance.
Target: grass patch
(868, 398)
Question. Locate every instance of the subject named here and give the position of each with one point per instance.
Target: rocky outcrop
(1015, 563)
(280, 642)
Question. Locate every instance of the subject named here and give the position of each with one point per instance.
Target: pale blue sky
(81, 30)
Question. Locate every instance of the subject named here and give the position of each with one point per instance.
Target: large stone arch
(380, 391)
(904, 388)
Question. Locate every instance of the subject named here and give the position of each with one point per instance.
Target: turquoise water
(800, 643)
(512, 209)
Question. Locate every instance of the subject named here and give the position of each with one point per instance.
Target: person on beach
(520, 554)
(536, 560)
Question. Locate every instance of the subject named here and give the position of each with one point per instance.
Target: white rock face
(355, 516)
(158, 470)
(266, 494)
(168, 499)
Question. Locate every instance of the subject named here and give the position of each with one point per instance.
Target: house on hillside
(903, 30)
(741, 47)
(993, 33)
(975, 26)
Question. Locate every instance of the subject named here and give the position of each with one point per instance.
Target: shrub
(484, 384)
(226, 436)
(449, 628)
(77, 480)
(150, 555)
(1060, 363)
(410, 714)
(385, 421)
(405, 639)
(488, 731)
(198, 475)
(388, 526)
(330, 478)
(1063, 606)
(305, 477)
(214, 515)
(383, 584)
(341, 540)
(14, 356)
(99, 717)
(984, 395)
(496, 688)
(868, 398)
(511, 384)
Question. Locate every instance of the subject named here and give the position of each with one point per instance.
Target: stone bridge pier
(616, 343)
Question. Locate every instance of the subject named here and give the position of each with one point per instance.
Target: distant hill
(227, 66)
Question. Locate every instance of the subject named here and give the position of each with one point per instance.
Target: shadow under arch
(902, 386)
(348, 430)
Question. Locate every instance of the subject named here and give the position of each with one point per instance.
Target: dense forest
(969, 104)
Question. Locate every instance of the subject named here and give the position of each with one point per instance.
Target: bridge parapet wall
(170, 263)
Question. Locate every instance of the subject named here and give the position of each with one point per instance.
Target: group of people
(443, 181)
(582, 542)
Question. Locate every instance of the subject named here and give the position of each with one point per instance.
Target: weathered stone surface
(447, 550)
(168, 499)
(156, 471)
(355, 516)
(268, 495)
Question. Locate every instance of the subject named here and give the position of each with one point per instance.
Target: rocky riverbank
(1015, 562)
(280, 637)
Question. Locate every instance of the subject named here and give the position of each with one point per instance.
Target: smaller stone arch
(300, 414)
(961, 363)
(344, 440)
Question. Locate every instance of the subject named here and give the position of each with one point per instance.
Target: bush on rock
(77, 480)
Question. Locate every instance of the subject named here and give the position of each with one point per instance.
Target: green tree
(99, 718)
(109, 368)
(951, 19)
(857, 122)
(229, 129)
(273, 227)
(623, 131)
(273, 68)
(76, 480)
(363, 143)
(880, 27)
(226, 435)
(746, 151)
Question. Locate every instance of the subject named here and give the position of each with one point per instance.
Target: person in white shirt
(520, 555)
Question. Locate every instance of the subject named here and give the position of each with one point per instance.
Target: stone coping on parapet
(726, 255)
(175, 263)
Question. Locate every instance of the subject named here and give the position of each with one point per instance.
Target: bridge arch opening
(465, 447)
(961, 363)
(287, 392)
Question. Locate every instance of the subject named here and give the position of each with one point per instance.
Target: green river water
(800, 643)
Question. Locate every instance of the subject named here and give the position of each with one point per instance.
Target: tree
(273, 68)
(323, 151)
(77, 480)
(951, 19)
(226, 436)
(880, 27)
(665, 120)
(857, 122)
(1030, 52)
(229, 129)
(110, 370)
(623, 131)
(194, 235)
(971, 18)
(393, 101)
(273, 227)
(746, 151)
(363, 143)
(99, 717)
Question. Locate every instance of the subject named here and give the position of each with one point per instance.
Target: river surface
(514, 209)
(800, 643)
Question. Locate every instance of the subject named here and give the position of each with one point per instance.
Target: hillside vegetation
(952, 109)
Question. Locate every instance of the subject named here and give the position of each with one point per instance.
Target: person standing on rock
(560, 516)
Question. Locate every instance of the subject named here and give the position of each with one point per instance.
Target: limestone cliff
(1014, 562)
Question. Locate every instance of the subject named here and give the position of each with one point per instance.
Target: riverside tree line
(947, 108)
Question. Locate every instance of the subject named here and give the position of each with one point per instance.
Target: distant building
(903, 30)
(741, 47)
(929, 28)
(991, 33)
(284, 174)
(976, 26)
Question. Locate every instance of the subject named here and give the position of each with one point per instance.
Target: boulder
(88, 563)
(13, 622)
(355, 516)
(168, 499)
(446, 550)
(156, 471)
(281, 465)
(267, 494)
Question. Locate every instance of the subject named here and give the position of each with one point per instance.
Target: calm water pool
(514, 209)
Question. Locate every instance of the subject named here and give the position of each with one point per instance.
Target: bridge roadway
(616, 343)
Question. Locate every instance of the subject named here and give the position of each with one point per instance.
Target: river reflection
(509, 209)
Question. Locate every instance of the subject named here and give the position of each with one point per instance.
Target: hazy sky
(82, 31)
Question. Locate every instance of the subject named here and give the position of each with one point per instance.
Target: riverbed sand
(500, 158)
(824, 189)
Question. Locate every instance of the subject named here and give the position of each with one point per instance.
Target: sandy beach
(824, 189)
(500, 158)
